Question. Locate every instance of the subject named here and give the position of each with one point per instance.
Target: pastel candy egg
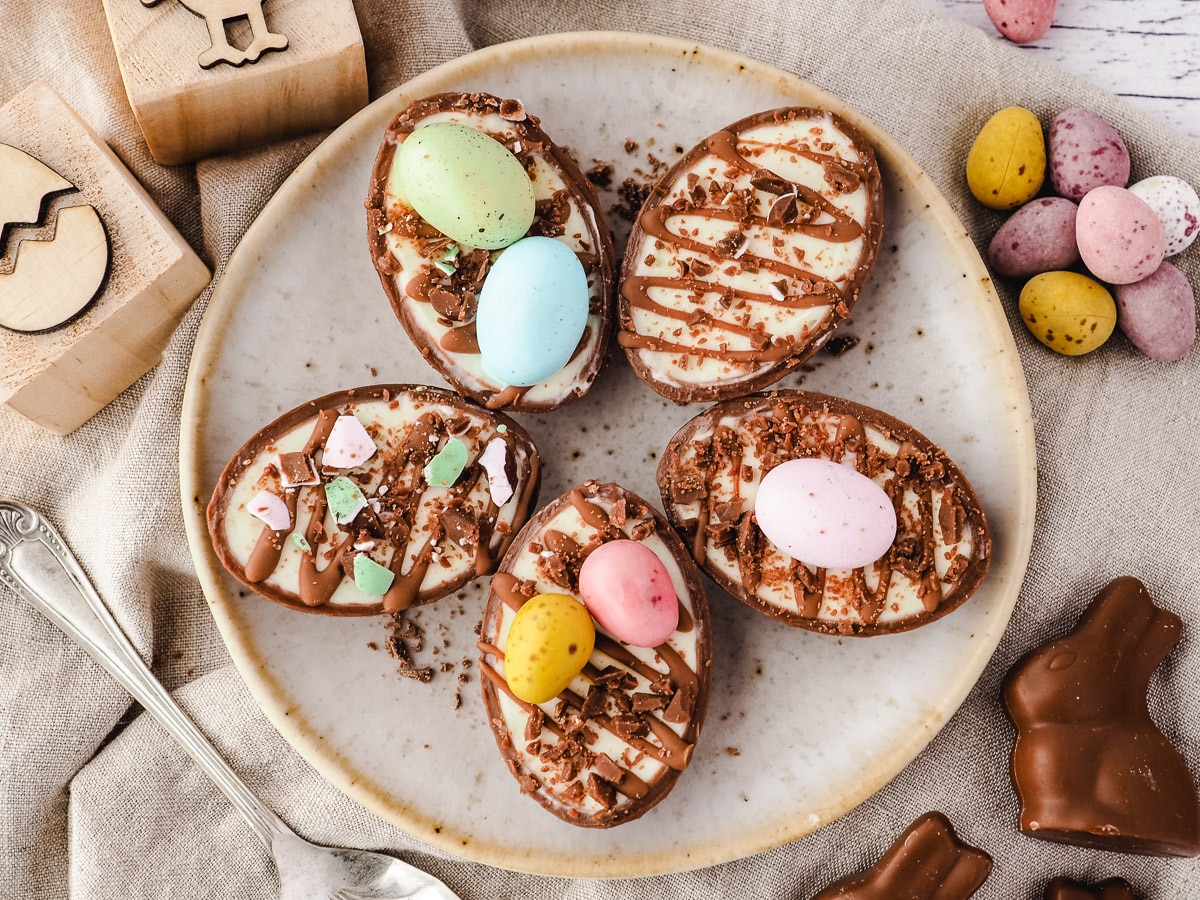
(1068, 312)
(628, 591)
(1021, 21)
(825, 514)
(1120, 238)
(464, 183)
(1175, 203)
(533, 309)
(1007, 162)
(549, 642)
(1085, 152)
(1158, 314)
(1038, 237)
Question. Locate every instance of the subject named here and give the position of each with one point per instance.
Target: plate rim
(270, 696)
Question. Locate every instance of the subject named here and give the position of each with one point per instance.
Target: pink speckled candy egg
(627, 589)
(1021, 21)
(1158, 314)
(1038, 237)
(825, 514)
(1175, 203)
(1085, 152)
(1120, 238)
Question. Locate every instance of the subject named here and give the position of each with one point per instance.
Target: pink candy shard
(270, 509)
(494, 460)
(348, 444)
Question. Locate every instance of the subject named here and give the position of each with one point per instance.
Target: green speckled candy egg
(1007, 162)
(464, 183)
(1068, 312)
(549, 642)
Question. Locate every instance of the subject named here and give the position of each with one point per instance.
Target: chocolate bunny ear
(927, 862)
(1139, 634)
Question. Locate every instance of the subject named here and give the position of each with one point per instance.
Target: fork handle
(35, 562)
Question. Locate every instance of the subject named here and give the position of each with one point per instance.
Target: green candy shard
(344, 498)
(443, 470)
(446, 267)
(370, 577)
(301, 542)
(501, 428)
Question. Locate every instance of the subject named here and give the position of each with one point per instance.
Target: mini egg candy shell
(464, 183)
(1158, 314)
(628, 590)
(1175, 203)
(1068, 312)
(533, 309)
(1021, 21)
(549, 642)
(1085, 153)
(1120, 238)
(825, 514)
(1038, 237)
(1007, 162)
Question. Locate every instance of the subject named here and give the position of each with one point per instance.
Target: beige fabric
(1119, 492)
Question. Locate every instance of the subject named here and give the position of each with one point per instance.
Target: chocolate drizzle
(653, 706)
(937, 559)
(406, 525)
(758, 335)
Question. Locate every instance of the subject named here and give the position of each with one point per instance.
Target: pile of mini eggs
(1120, 234)
(533, 306)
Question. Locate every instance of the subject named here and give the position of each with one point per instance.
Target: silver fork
(35, 562)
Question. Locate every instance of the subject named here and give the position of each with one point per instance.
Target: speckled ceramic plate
(802, 727)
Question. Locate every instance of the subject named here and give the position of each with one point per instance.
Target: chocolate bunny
(927, 862)
(1066, 889)
(1090, 766)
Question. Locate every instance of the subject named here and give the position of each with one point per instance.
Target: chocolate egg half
(613, 743)
(710, 476)
(373, 499)
(434, 281)
(748, 253)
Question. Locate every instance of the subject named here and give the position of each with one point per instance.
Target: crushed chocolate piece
(840, 343)
(601, 174)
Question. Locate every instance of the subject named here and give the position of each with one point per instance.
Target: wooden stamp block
(93, 277)
(212, 76)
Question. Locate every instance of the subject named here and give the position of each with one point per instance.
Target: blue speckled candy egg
(533, 309)
(464, 183)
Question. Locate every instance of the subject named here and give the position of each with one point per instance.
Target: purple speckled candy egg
(1158, 314)
(1175, 203)
(1038, 237)
(1021, 21)
(1120, 238)
(1085, 152)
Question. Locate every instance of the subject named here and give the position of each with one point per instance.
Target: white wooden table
(1147, 51)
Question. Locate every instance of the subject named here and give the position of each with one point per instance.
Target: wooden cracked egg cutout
(216, 13)
(53, 256)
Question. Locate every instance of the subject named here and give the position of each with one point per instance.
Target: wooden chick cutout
(1066, 889)
(53, 253)
(215, 14)
(927, 862)
(1090, 766)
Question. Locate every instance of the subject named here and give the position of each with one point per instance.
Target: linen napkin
(96, 803)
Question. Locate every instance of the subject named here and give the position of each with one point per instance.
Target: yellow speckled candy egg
(1007, 162)
(464, 183)
(549, 642)
(1068, 312)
